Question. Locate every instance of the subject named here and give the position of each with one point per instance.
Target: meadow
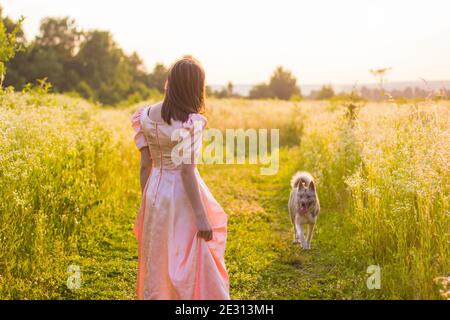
(69, 193)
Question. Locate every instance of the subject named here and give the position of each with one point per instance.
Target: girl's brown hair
(185, 91)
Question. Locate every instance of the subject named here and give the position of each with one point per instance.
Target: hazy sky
(321, 41)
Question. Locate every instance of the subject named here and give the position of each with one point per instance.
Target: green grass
(263, 262)
(69, 191)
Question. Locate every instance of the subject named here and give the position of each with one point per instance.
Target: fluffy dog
(304, 207)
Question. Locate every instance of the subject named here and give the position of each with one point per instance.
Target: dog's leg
(296, 237)
(310, 234)
(302, 237)
(300, 232)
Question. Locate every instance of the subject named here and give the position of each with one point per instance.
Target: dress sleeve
(139, 137)
(190, 139)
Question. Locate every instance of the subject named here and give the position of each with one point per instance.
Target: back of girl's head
(185, 90)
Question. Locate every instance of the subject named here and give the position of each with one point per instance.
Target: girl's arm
(146, 167)
(191, 186)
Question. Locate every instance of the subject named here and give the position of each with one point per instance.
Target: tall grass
(388, 174)
(62, 165)
(400, 196)
(68, 171)
(254, 114)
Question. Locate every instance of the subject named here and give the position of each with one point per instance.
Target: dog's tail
(301, 178)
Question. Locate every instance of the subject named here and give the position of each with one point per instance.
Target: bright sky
(321, 41)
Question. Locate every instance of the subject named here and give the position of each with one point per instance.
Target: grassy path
(262, 260)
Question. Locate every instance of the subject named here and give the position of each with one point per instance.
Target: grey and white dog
(304, 207)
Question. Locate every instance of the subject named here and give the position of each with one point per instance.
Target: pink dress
(173, 263)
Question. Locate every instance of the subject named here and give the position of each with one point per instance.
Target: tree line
(327, 92)
(281, 85)
(92, 65)
(88, 63)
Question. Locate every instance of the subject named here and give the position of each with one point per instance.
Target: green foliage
(69, 190)
(296, 98)
(352, 103)
(158, 78)
(87, 62)
(400, 198)
(58, 189)
(261, 91)
(379, 166)
(261, 259)
(225, 92)
(325, 93)
(282, 85)
(38, 95)
(8, 45)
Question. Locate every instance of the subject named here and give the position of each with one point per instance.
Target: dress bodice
(169, 145)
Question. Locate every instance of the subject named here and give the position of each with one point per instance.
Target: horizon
(358, 83)
(307, 88)
(340, 48)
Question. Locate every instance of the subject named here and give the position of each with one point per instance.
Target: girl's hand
(204, 229)
(189, 178)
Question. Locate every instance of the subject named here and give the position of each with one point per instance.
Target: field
(69, 192)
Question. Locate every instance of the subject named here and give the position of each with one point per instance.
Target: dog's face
(306, 197)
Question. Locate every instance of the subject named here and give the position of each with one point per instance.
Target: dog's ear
(312, 186)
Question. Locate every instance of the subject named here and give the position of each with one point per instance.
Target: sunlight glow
(243, 41)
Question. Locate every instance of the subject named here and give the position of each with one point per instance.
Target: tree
(158, 77)
(209, 91)
(103, 66)
(61, 35)
(224, 92)
(13, 27)
(89, 63)
(8, 46)
(325, 93)
(51, 55)
(261, 91)
(54, 51)
(230, 89)
(19, 59)
(283, 84)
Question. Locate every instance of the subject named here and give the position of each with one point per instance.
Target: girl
(181, 229)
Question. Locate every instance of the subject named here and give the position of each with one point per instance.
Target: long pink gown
(174, 263)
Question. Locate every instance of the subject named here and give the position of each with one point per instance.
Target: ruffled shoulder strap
(194, 121)
(136, 123)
